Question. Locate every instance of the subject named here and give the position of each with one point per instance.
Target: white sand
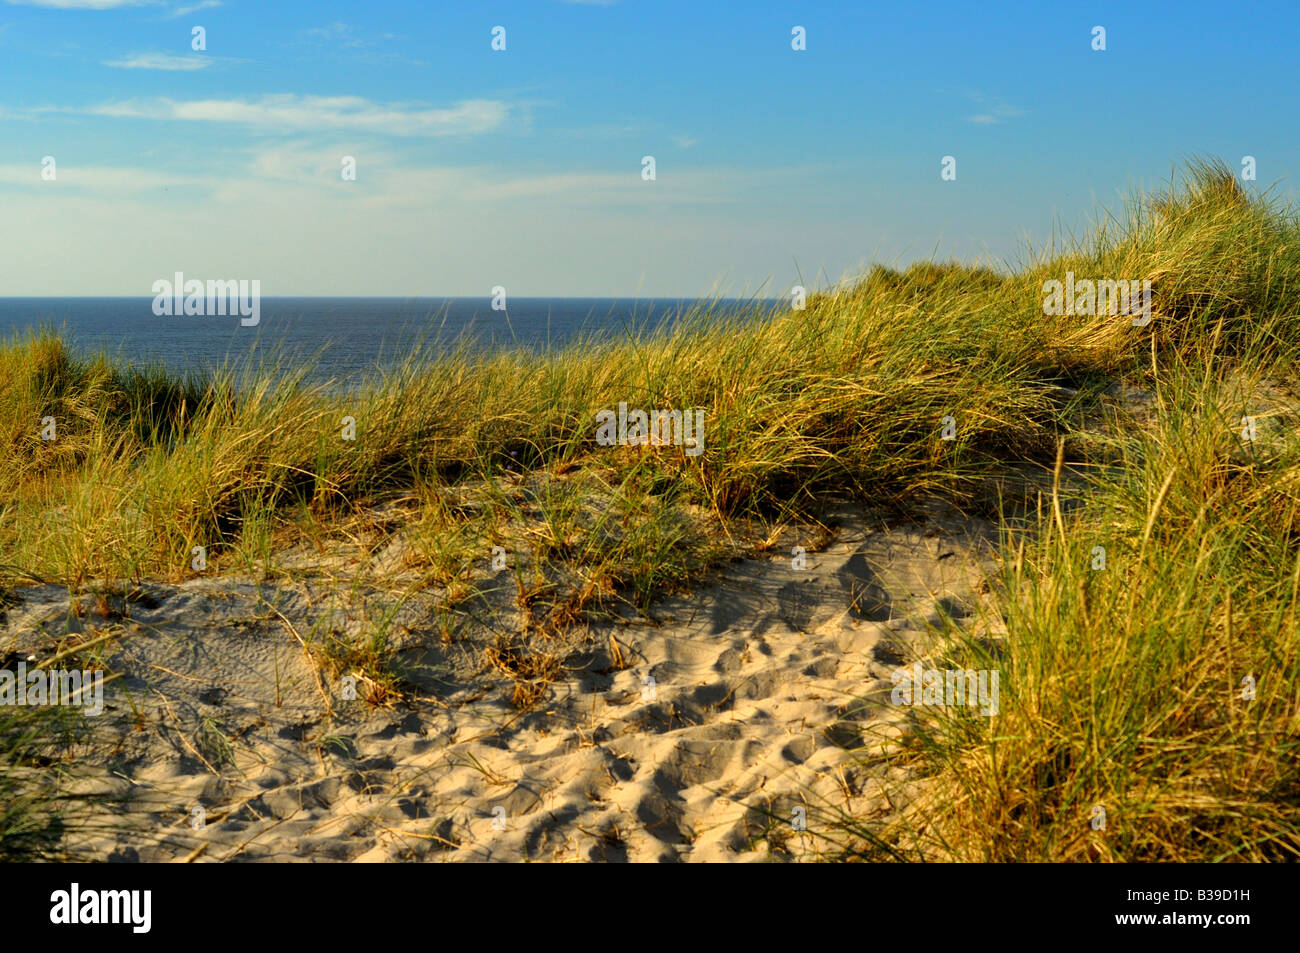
(767, 686)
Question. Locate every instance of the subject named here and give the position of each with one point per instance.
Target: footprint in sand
(868, 599)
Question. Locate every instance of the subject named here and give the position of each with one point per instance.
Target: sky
(523, 167)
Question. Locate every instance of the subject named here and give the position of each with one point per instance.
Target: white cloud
(385, 182)
(340, 38)
(319, 113)
(163, 61)
(995, 111)
(76, 4)
(122, 244)
(105, 179)
(685, 142)
(412, 227)
(194, 8)
(337, 30)
(309, 174)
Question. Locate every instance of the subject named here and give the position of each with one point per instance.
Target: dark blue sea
(345, 337)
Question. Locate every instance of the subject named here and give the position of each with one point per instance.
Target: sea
(344, 339)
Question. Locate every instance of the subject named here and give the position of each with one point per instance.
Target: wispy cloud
(685, 142)
(299, 175)
(107, 180)
(336, 32)
(194, 8)
(994, 117)
(993, 112)
(76, 4)
(318, 113)
(340, 37)
(163, 61)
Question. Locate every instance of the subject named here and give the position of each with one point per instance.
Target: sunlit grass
(1120, 688)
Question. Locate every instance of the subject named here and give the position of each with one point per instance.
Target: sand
(712, 730)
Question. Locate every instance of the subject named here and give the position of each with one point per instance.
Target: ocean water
(346, 338)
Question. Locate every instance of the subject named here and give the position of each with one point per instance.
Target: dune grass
(1120, 687)
(1149, 705)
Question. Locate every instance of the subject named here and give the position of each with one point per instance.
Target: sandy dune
(696, 736)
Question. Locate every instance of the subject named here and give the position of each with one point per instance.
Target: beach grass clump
(1148, 668)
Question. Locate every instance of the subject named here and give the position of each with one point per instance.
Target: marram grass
(1120, 688)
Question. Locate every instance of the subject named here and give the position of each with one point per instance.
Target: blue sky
(522, 168)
